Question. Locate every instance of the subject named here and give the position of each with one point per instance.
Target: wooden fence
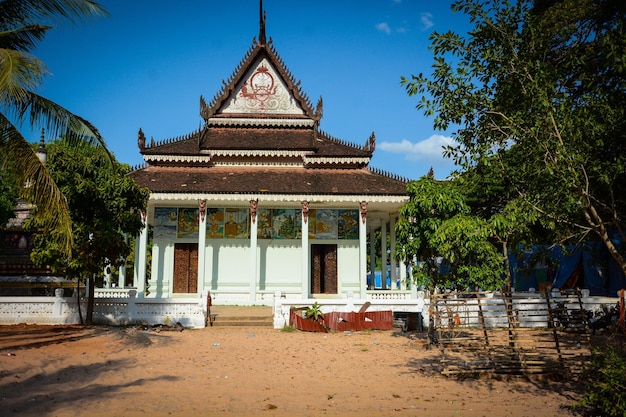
(512, 334)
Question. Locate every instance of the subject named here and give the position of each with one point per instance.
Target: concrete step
(243, 321)
(239, 316)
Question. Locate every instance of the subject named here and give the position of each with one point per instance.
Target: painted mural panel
(348, 224)
(326, 224)
(283, 224)
(188, 223)
(312, 224)
(165, 222)
(298, 223)
(215, 223)
(236, 223)
(264, 230)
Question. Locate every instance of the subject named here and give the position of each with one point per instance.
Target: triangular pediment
(261, 90)
(260, 87)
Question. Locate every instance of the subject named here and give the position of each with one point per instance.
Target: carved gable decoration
(262, 90)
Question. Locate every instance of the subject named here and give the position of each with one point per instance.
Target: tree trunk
(507, 267)
(80, 311)
(90, 297)
(599, 227)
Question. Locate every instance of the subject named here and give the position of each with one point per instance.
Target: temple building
(260, 200)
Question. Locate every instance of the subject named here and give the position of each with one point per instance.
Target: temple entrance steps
(251, 316)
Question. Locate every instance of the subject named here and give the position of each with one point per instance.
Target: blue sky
(148, 63)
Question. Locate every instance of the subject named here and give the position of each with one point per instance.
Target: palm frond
(57, 120)
(20, 73)
(37, 186)
(15, 13)
(24, 38)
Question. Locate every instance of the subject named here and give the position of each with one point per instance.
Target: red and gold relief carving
(363, 211)
(202, 209)
(259, 87)
(305, 211)
(253, 206)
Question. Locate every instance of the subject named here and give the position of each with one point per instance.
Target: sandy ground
(229, 371)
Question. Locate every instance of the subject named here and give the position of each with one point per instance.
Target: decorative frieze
(259, 122)
(196, 159)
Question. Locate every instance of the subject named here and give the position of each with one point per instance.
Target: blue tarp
(588, 266)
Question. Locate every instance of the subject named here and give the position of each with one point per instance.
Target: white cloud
(427, 20)
(383, 27)
(429, 150)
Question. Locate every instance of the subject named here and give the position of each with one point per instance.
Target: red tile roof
(252, 180)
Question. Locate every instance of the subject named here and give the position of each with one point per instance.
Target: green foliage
(314, 312)
(452, 247)
(23, 25)
(606, 390)
(8, 194)
(538, 89)
(288, 329)
(104, 205)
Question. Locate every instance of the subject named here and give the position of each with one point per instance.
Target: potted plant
(312, 320)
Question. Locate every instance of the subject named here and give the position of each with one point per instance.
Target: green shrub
(606, 391)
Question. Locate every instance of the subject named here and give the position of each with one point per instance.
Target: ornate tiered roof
(261, 132)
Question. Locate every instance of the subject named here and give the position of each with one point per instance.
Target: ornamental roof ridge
(295, 84)
(327, 136)
(208, 110)
(167, 141)
(388, 174)
(260, 49)
(138, 167)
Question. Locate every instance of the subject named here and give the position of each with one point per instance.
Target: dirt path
(100, 371)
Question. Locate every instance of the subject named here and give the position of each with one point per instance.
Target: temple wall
(279, 265)
(347, 267)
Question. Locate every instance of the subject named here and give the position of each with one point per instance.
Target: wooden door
(324, 269)
(185, 268)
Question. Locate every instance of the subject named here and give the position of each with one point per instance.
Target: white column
(383, 252)
(363, 252)
(402, 276)
(141, 248)
(254, 226)
(201, 244)
(392, 244)
(372, 234)
(306, 282)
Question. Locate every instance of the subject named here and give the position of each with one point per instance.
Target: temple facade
(259, 200)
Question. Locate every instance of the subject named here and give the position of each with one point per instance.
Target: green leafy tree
(514, 223)
(23, 25)
(8, 197)
(606, 384)
(104, 205)
(538, 89)
(447, 246)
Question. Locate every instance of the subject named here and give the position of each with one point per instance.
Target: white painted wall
(348, 267)
(227, 263)
(279, 265)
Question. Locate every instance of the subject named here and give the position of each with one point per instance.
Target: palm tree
(23, 24)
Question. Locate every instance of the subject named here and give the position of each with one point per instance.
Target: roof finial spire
(262, 24)
(41, 150)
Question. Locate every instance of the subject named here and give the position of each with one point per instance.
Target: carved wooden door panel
(324, 269)
(185, 268)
